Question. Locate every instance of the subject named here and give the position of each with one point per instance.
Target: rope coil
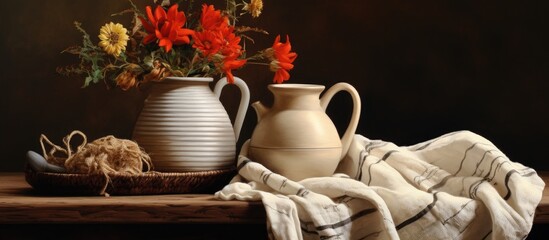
(103, 156)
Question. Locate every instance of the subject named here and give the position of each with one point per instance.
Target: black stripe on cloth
(508, 176)
(350, 219)
(466, 226)
(430, 171)
(436, 139)
(283, 184)
(302, 192)
(362, 158)
(370, 172)
(345, 200)
(277, 210)
(265, 177)
(331, 236)
(375, 144)
(385, 156)
(388, 154)
(304, 229)
(445, 179)
(465, 155)
(373, 234)
(440, 184)
(474, 188)
(242, 164)
(482, 160)
(495, 169)
(365, 153)
(420, 214)
(456, 213)
(316, 233)
(487, 234)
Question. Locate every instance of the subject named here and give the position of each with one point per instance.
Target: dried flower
(254, 7)
(158, 73)
(114, 38)
(127, 78)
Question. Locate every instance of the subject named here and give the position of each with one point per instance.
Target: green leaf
(97, 75)
(148, 61)
(87, 81)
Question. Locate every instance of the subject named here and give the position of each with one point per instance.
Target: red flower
(231, 44)
(231, 62)
(282, 59)
(166, 27)
(231, 50)
(217, 37)
(212, 19)
(208, 42)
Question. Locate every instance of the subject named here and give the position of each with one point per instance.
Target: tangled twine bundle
(103, 156)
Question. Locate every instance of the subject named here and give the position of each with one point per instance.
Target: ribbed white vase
(184, 127)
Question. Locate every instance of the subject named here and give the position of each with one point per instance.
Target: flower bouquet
(167, 41)
(182, 127)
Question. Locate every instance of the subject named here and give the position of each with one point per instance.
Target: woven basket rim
(146, 183)
(144, 174)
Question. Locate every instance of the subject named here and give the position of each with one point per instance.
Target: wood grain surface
(20, 204)
(542, 212)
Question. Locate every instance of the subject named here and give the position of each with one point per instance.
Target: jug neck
(296, 96)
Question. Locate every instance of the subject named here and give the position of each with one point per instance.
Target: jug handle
(244, 101)
(353, 123)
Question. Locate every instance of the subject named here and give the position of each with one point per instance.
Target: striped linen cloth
(457, 186)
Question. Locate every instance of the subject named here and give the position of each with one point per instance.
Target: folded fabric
(457, 186)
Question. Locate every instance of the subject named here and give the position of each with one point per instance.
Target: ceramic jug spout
(260, 110)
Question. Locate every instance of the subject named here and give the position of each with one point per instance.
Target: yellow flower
(114, 38)
(254, 7)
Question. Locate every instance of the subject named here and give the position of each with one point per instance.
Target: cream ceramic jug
(295, 137)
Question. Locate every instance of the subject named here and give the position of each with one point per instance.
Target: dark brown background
(423, 68)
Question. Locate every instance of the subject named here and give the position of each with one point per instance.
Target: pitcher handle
(244, 101)
(353, 123)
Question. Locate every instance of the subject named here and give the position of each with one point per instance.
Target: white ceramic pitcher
(184, 127)
(295, 137)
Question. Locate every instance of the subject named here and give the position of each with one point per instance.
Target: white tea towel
(457, 186)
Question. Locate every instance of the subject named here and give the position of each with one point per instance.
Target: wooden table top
(542, 212)
(20, 204)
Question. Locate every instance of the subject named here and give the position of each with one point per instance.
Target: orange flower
(217, 35)
(208, 42)
(212, 19)
(217, 38)
(231, 62)
(282, 59)
(231, 44)
(231, 50)
(166, 27)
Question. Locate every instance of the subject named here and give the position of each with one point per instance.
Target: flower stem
(258, 63)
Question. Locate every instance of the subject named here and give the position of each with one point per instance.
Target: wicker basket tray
(129, 184)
